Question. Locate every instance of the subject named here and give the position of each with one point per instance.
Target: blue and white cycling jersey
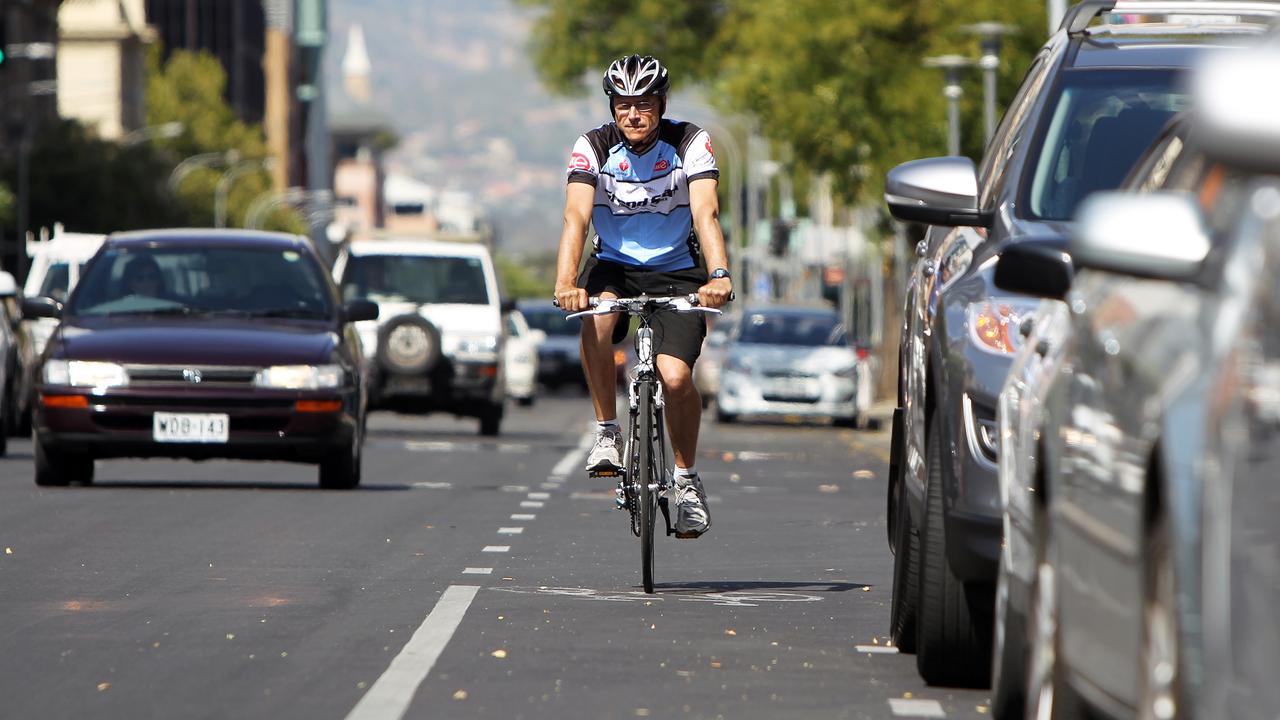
(641, 213)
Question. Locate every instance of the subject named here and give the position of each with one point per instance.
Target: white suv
(438, 342)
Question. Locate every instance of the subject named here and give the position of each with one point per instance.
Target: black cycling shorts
(676, 334)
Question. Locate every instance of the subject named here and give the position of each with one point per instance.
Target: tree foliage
(839, 84)
(525, 277)
(189, 89)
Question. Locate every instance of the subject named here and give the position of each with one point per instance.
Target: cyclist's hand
(715, 293)
(571, 298)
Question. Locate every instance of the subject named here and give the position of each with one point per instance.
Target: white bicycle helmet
(634, 75)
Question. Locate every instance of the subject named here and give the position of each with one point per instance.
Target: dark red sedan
(202, 344)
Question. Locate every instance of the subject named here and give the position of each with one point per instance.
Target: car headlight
(485, 344)
(84, 373)
(299, 377)
(993, 324)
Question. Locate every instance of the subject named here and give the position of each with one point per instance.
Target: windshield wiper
(302, 313)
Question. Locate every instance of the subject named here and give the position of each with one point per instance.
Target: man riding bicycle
(648, 185)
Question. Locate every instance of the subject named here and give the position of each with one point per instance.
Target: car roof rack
(1080, 15)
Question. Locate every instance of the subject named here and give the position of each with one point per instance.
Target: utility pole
(952, 66)
(989, 33)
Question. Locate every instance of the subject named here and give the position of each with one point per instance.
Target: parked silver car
(791, 361)
(1145, 485)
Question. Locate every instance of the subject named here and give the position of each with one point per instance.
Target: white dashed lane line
(496, 548)
(532, 504)
(477, 571)
(510, 530)
(539, 496)
(523, 516)
(877, 649)
(913, 708)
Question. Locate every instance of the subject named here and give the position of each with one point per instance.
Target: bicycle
(643, 488)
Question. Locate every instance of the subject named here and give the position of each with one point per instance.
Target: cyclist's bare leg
(684, 408)
(598, 365)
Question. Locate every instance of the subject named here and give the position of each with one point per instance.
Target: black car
(202, 344)
(1093, 100)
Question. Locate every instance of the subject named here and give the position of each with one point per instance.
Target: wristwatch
(719, 273)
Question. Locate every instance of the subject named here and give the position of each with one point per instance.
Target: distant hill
(455, 81)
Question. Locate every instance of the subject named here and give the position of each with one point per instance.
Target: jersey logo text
(660, 166)
(579, 162)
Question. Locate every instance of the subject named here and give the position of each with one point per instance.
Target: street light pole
(224, 186)
(951, 65)
(989, 33)
(188, 165)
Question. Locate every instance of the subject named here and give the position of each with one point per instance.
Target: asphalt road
(468, 578)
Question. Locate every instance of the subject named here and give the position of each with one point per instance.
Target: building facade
(102, 47)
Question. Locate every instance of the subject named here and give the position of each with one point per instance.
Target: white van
(438, 342)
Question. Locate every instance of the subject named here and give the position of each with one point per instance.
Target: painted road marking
(539, 496)
(531, 504)
(390, 695)
(523, 516)
(477, 571)
(911, 707)
(496, 548)
(433, 485)
(565, 466)
(550, 485)
(510, 530)
(515, 488)
(877, 649)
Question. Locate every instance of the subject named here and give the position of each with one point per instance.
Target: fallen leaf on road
(982, 709)
(362, 685)
(500, 654)
(8, 551)
(642, 712)
(735, 477)
(103, 687)
(715, 664)
(730, 632)
(866, 588)
(460, 695)
(231, 636)
(863, 474)
(907, 695)
(727, 457)
(829, 488)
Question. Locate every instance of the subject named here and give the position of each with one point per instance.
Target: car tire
(953, 630)
(408, 345)
(342, 470)
(59, 469)
(526, 401)
(491, 420)
(1048, 695)
(1161, 686)
(1008, 659)
(906, 578)
(724, 417)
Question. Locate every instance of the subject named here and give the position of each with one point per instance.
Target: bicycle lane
(780, 611)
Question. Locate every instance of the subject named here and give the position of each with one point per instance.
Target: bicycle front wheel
(645, 478)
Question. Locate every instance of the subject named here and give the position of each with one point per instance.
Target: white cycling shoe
(606, 454)
(693, 517)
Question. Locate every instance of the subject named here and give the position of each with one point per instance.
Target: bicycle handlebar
(637, 305)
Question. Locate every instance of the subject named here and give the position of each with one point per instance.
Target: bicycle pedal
(603, 473)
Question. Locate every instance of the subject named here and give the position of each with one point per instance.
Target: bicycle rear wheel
(645, 479)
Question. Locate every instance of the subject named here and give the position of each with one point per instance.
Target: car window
(790, 329)
(1004, 140)
(56, 281)
(552, 323)
(416, 279)
(195, 279)
(1101, 122)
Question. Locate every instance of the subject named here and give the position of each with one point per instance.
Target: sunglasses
(644, 105)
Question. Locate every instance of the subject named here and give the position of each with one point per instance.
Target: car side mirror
(1153, 235)
(38, 307)
(8, 286)
(1235, 101)
(1036, 268)
(507, 306)
(360, 309)
(936, 191)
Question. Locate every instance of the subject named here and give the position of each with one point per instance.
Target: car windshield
(194, 279)
(416, 279)
(807, 330)
(552, 323)
(1102, 121)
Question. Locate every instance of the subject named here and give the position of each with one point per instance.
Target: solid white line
(910, 707)
(565, 466)
(510, 530)
(523, 516)
(477, 571)
(496, 548)
(539, 496)
(531, 504)
(389, 697)
(876, 649)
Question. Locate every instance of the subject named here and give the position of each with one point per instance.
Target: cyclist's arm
(704, 204)
(579, 198)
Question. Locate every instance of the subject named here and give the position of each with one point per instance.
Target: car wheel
(1161, 681)
(1047, 695)
(59, 469)
(525, 401)
(1008, 659)
(906, 577)
(491, 420)
(408, 345)
(341, 471)
(724, 417)
(953, 638)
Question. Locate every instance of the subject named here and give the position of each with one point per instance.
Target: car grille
(787, 373)
(187, 375)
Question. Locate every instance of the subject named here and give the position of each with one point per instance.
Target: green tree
(838, 83)
(188, 88)
(524, 277)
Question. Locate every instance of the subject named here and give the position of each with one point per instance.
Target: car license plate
(190, 427)
(789, 389)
